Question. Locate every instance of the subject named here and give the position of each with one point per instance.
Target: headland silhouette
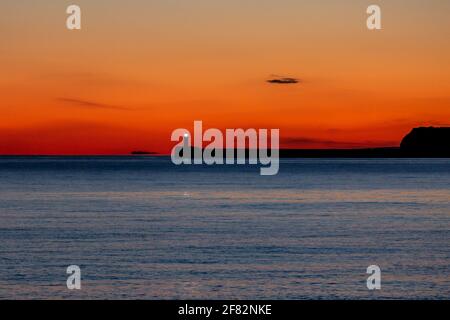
(421, 142)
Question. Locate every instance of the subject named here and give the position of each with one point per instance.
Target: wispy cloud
(91, 104)
(314, 142)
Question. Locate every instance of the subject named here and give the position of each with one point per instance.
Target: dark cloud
(91, 104)
(282, 80)
(305, 141)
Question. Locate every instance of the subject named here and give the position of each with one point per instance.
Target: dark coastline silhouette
(427, 139)
(423, 142)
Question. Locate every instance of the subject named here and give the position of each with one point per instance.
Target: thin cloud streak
(305, 141)
(91, 104)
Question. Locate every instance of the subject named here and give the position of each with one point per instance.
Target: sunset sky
(140, 69)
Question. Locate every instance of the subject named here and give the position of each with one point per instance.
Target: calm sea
(140, 227)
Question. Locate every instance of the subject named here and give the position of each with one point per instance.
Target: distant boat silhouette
(138, 152)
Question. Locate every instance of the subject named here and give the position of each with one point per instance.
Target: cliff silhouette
(427, 139)
(422, 142)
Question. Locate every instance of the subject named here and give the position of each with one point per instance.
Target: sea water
(143, 228)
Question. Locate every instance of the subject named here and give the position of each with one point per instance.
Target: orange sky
(139, 69)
